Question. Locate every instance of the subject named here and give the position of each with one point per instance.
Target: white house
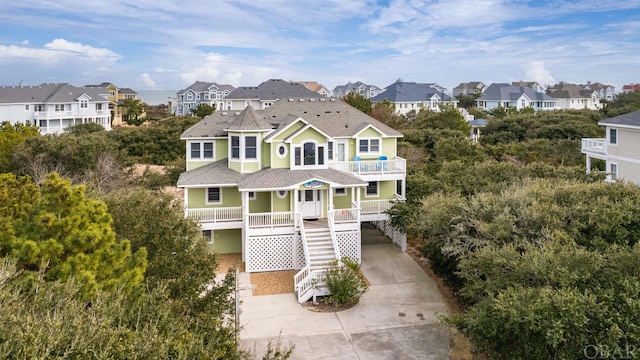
(509, 96)
(54, 107)
(407, 96)
(573, 97)
(266, 94)
(620, 149)
(357, 87)
(201, 92)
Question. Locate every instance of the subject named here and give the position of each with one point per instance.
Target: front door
(310, 203)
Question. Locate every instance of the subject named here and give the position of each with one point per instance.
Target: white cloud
(25, 42)
(148, 81)
(73, 48)
(535, 71)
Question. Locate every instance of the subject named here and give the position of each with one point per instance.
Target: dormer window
(189, 96)
(309, 154)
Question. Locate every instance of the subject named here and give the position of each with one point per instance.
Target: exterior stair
(318, 244)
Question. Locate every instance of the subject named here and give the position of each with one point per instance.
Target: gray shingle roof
(354, 87)
(504, 91)
(410, 91)
(273, 89)
(48, 93)
(218, 173)
(630, 119)
(333, 117)
(202, 86)
(249, 119)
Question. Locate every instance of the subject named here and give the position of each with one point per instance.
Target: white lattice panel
(398, 237)
(349, 244)
(270, 253)
(298, 256)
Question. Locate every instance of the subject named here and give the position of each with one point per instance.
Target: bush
(345, 282)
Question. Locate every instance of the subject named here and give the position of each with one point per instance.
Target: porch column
(330, 197)
(244, 195)
(404, 188)
(295, 201)
(185, 202)
(358, 202)
(588, 164)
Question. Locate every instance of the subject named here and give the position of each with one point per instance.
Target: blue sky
(168, 44)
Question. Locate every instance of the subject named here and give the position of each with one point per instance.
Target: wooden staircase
(321, 253)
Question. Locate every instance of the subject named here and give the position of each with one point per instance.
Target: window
(189, 96)
(340, 192)
(281, 150)
(372, 189)
(235, 147)
(252, 195)
(214, 196)
(369, 146)
(38, 107)
(330, 150)
(614, 172)
(112, 93)
(309, 153)
(26, 107)
(207, 150)
(208, 235)
(98, 106)
(613, 136)
(59, 107)
(250, 147)
(84, 104)
(195, 150)
(281, 194)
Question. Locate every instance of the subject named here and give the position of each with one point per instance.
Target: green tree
(449, 117)
(468, 101)
(10, 137)
(55, 225)
(358, 101)
(176, 251)
(133, 108)
(203, 110)
(623, 103)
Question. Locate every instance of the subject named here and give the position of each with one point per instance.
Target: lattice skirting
(349, 244)
(273, 253)
(398, 237)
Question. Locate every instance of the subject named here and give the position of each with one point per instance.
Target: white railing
(301, 280)
(371, 167)
(594, 145)
(222, 214)
(375, 206)
(332, 230)
(341, 216)
(59, 114)
(271, 219)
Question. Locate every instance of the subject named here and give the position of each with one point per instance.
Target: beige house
(620, 148)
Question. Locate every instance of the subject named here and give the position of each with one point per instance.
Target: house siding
(197, 198)
(222, 149)
(290, 130)
(342, 202)
(227, 241)
(261, 204)
(308, 134)
(628, 171)
(278, 162)
(266, 155)
(628, 143)
(281, 204)
(386, 190)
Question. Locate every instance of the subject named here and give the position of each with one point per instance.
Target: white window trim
(302, 165)
(335, 192)
(611, 175)
(286, 150)
(377, 194)
(252, 195)
(210, 237)
(242, 156)
(189, 96)
(369, 152)
(609, 137)
(201, 144)
(284, 196)
(213, 202)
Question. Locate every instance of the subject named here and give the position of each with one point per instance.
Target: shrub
(345, 282)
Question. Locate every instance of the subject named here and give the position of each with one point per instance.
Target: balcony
(66, 114)
(223, 217)
(596, 148)
(380, 167)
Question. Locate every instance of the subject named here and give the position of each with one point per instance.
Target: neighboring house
(530, 84)
(116, 97)
(510, 96)
(357, 87)
(571, 96)
(266, 94)
(200, 92)
(630, 88)
(315, 86)
(407, 96)
(476, 126)
(620, 149)
(606, 92)
(289, 186)
(54, 107)
(469, 88)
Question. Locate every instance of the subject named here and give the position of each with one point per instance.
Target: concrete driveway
(395, 319)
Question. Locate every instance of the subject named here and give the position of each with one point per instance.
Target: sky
(167, 45)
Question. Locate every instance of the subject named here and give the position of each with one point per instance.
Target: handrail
(301, 278)
(336, 248)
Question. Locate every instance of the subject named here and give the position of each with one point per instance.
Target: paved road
(395, 319)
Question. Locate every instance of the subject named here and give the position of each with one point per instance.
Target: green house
(289, 186)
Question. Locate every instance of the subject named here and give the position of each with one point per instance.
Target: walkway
(395, 319)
